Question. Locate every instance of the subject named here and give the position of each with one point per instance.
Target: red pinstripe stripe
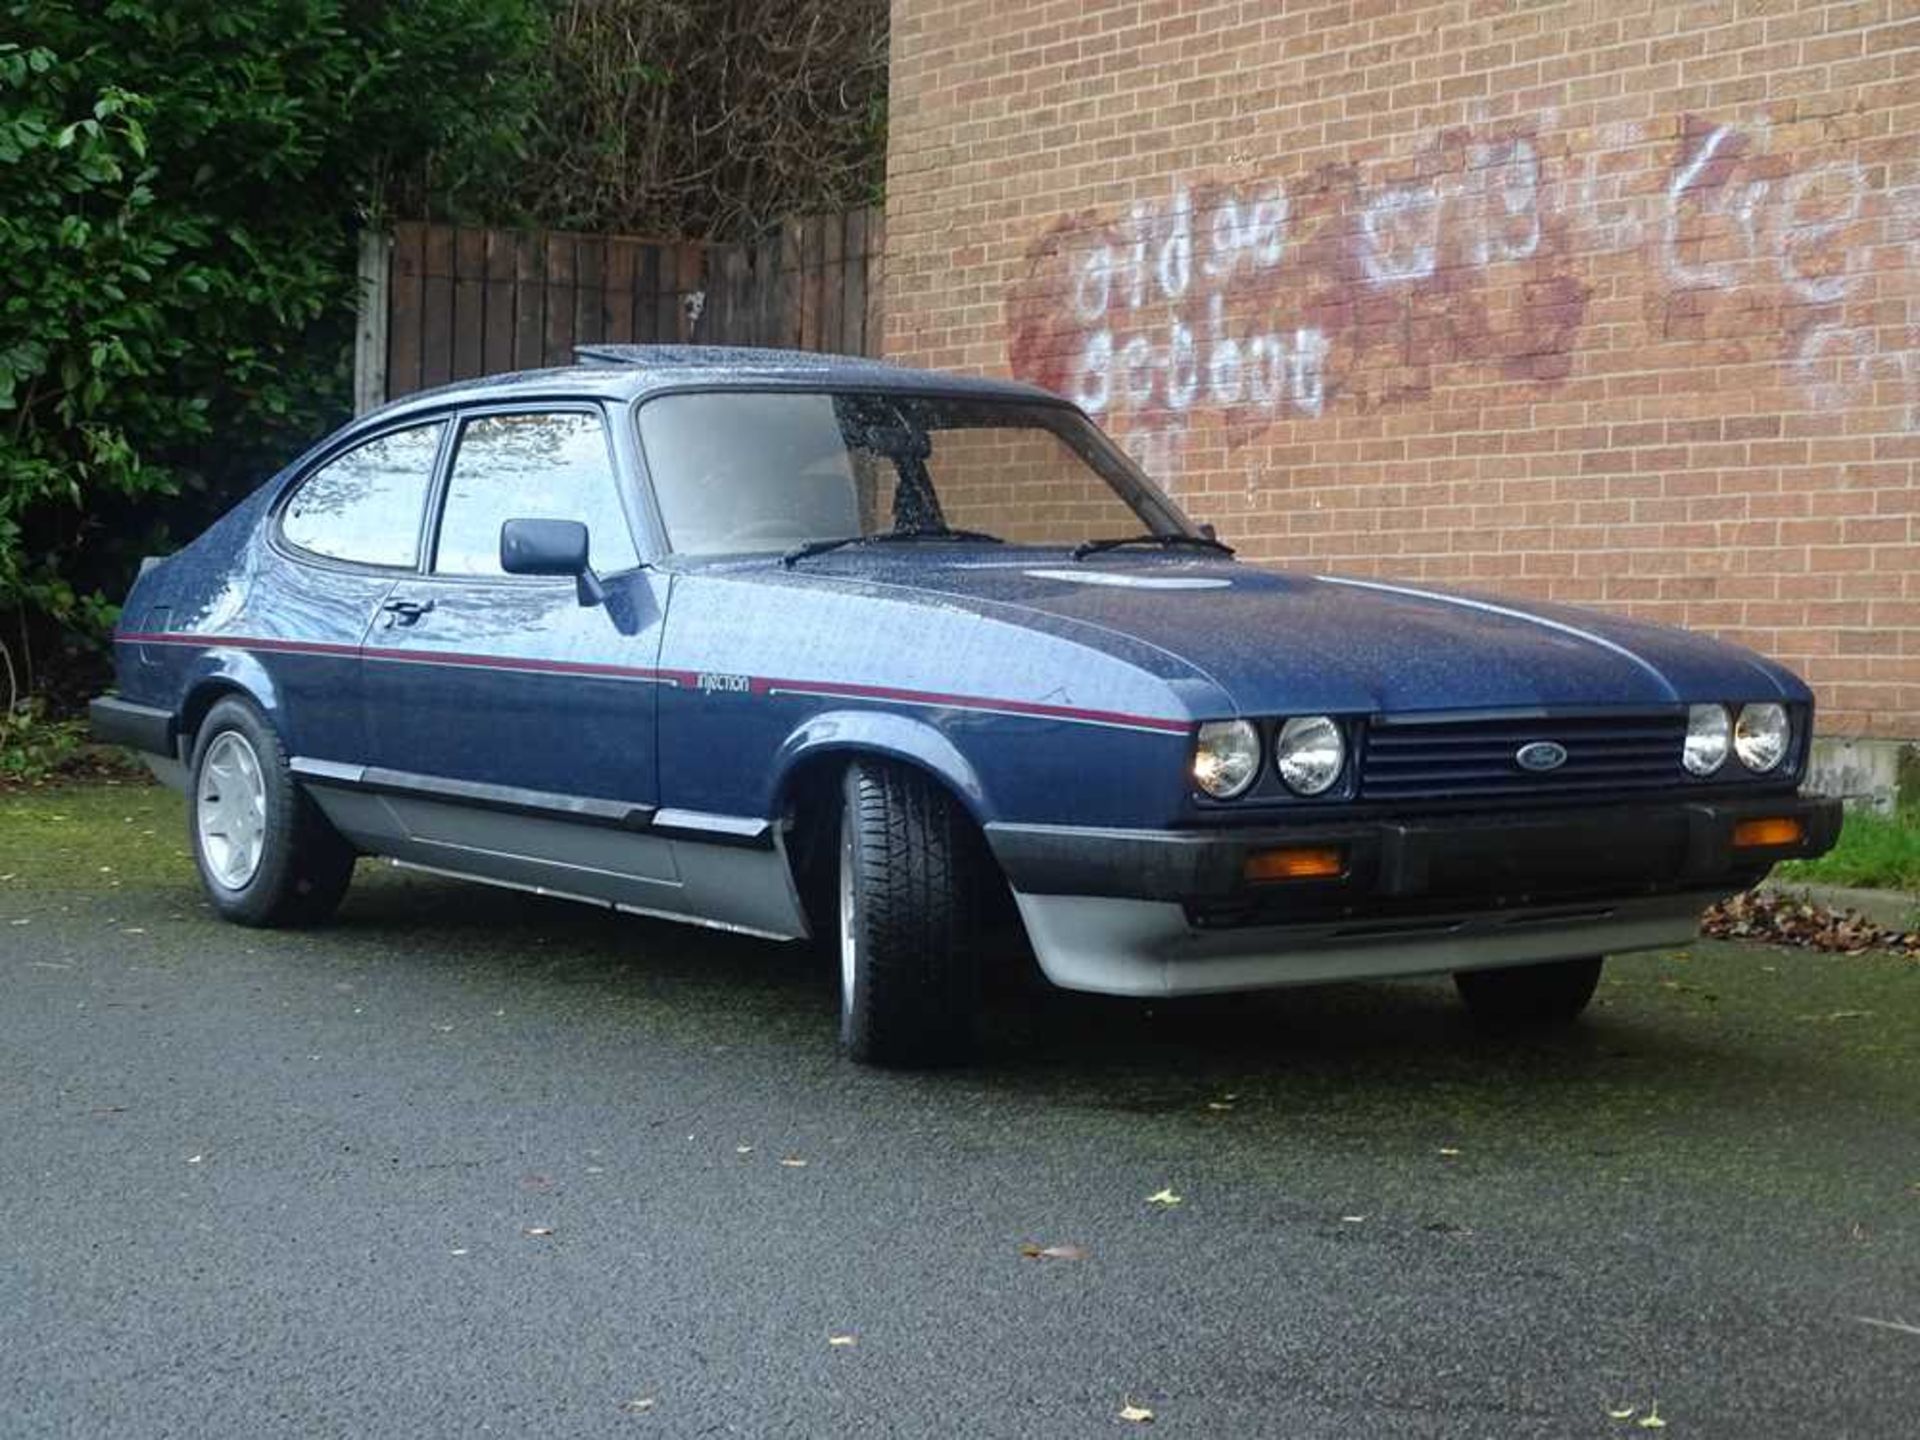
(1036, 708)
(685, 679)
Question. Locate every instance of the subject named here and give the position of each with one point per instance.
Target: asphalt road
(467, 1163)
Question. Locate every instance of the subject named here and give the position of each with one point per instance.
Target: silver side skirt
(700, 920)
(1146, 947)
(732, 887)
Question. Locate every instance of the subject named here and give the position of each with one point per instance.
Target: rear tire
(1519, 998)
(266, 854)
(908, 965)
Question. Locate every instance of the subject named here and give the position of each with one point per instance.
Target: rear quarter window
(364, 506)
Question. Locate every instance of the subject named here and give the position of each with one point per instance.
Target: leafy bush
(181, 183)
(35, 747)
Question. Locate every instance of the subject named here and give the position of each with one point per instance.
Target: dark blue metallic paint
(1041, 689)
(552, 729)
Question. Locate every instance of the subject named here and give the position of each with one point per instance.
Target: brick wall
(1613, 303)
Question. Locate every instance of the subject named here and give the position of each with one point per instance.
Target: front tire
(1520, 998)
(265, 853)
(908, 967)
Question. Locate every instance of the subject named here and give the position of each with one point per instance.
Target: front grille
(1475, 759)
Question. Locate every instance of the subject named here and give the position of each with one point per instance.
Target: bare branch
(709, 119)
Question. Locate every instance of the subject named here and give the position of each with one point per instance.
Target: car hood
(1277, 641)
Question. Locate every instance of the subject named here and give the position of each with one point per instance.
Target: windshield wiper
(1205, 542)
(886, 537)
(821, 547)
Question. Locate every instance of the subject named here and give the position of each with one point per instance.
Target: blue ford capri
(820, 648)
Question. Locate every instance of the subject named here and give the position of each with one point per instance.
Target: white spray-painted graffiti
(1255, 303)
(1209, 302)
(1141, 344)
(1795, 227)
(1494, 200)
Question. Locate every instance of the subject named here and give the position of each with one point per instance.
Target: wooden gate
(447, 302)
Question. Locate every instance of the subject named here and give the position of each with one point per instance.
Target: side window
(365, 506)
(530, 467)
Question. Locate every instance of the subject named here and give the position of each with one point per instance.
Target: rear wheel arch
(199, 703)
(222, 675)
(265, 853)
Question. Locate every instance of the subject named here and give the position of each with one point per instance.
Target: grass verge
(1876, 852)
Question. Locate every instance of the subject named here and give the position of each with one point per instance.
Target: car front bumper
(1168, 912)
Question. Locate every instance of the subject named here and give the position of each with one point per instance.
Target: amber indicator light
(1774, 830)
(1297, 862)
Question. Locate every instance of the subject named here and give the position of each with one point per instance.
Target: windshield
(742, 472)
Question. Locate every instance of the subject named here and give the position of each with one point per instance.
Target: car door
(346, 531)
(512, 721)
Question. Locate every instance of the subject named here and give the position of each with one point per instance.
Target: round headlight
(1708, 731)
(1760, 736)
(1309, 754)
(1226, 757)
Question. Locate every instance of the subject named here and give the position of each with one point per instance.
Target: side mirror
(550, 547)
(1209, 532)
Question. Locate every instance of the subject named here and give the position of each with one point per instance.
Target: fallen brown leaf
(1775, 919)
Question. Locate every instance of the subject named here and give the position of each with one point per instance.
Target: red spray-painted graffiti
(1253, 302)
(1257, 301)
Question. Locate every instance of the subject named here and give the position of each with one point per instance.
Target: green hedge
(181, 183)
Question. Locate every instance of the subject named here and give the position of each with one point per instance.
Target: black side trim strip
(581, 809)
(143, 727)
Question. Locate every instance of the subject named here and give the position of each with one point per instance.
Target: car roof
(627, 372)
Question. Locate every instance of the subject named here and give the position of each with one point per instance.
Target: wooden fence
(445, 302)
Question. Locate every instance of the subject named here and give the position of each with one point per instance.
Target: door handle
(405, 612)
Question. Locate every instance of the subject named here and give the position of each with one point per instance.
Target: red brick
(1681, 410)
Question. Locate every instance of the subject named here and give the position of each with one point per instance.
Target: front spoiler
(1148, 947)
(1126, 912)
